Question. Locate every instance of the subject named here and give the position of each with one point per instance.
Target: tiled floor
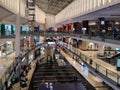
(95, 81)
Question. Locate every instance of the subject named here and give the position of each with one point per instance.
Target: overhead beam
(6, 16)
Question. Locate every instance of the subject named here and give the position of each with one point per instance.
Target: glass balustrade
(96, 36)
(94, 65)
(101, 69)
(112, 75)
(10, 70)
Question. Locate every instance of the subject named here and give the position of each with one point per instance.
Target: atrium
(59, 44)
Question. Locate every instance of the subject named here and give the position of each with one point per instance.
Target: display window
(24, 29)
(9, 47)
(2, 50)
(6, 48)
(7, 29)
(35, 40)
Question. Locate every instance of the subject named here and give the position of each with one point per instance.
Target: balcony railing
(112, 77)
(10, 71)
(96, 36)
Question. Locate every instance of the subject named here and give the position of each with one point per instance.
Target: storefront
(3, 50)
(9, 47)
(6, 29)
(24, 43)
(92, 46)
(6, 48)
(24, 29)
(36, 39)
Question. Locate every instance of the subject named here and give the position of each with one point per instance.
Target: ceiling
(4, 13)
(8, 17)
(110, 13)
(52, 6)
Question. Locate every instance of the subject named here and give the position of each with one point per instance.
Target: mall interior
(59, 44)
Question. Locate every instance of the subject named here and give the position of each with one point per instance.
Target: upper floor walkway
(97, 38)
(99, 68)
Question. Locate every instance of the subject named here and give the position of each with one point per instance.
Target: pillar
(31, 37)
(45, 30)
(72, 26)
(83, 46)
(31, 41)
(17, 36)
(101, 49)
(49, 51)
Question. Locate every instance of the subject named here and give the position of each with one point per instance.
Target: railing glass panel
(112, 75)
(102, 70)
(108, 73)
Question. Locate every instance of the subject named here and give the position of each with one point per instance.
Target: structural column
(45, 30)
(17, 36)
(31, 38)
(101, 49)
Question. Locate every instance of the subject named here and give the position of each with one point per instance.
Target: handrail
(12, 68)
(99, 68)
(100, 37)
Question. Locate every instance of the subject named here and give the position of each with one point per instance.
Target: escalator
(60, 77)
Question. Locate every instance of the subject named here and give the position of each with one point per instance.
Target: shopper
(91, 61)
(109, 53)
(103, 34)
(105, 54)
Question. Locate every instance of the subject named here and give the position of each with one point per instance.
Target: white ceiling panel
(52, 6)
